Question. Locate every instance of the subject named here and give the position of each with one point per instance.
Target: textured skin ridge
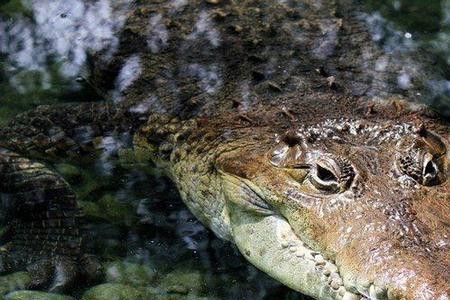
(67, 131)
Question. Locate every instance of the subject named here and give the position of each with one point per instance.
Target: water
(417, 24)
(145, 235)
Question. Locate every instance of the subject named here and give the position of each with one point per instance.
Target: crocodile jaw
(383, 238)
(268, 241)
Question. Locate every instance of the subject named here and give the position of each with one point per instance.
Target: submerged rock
(35, 295)
(70, 172)
(156, 296)
(113, 291)
(109, 208)
(13, 282)
(90, 185)
(129, 273)
(184, 281)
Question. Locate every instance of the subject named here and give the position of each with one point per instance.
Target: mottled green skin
(241, 106)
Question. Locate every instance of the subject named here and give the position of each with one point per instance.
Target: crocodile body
(279, 136)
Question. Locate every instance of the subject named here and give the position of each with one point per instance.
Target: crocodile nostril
(430, 169)
(422, 166)
(430, 172)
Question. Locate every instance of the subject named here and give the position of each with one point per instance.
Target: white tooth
(334, 286)
(284, 244)
(335, 275)
(336, 283)
(293, 249)
(308, 255)
(319, 260)
(331, 267)
(350, 296)
(326, 272)
(300, 252)
(372, 293)
(365, 284)
(342, 291)
(318, 257)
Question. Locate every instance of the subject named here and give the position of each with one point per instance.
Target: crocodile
(278, 134)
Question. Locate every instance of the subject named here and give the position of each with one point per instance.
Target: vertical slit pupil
(325, 174)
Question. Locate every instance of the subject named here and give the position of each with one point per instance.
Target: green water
(147, 237)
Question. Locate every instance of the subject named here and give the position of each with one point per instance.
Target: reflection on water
(159, 35)
(46, 44)
(205, 28)
(63, 32)
(129, 72)
(141, 226)
(411, 25)
(147, 237)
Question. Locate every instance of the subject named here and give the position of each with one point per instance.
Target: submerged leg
(45, 224)
(44, 233)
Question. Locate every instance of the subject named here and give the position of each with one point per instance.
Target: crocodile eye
(324, 178)
(420, 166)
(331, 175)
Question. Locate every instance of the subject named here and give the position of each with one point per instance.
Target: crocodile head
(345, 208)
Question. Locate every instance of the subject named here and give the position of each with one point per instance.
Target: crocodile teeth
(334, 275)
(342, 291)
(331, 268)
(328, 269)
(336, 283)
(300, 252)
(350, 296)
(308, 255)
(319, 260)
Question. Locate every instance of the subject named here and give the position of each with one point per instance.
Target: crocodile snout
(403, 253)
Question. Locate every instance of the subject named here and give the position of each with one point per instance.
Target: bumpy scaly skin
(261, 115)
